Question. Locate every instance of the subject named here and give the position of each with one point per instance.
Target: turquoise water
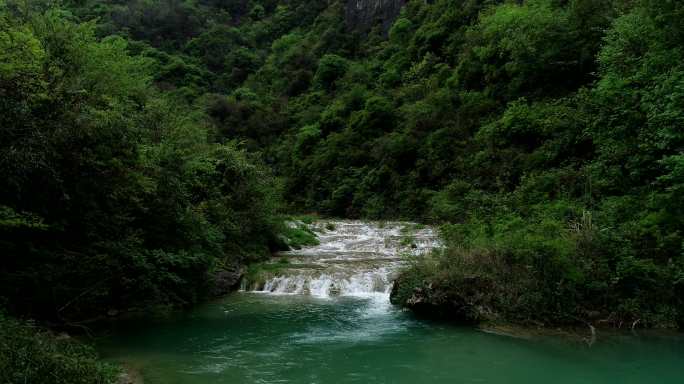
(261, 338)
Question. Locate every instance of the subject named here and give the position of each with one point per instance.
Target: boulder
(437, 301)
(226, 281)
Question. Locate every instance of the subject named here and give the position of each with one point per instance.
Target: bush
(30, 354)
(299, 235)
(557, 266)
(330, 68)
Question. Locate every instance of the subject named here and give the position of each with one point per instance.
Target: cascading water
(353, 259)
(303, 337)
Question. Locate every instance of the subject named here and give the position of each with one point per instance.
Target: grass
(300, 236)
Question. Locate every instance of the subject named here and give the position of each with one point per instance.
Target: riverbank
(351, 266)
(32, 354)
(483, 286)
(251, 337)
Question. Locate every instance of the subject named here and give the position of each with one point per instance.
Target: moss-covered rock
(462, 301)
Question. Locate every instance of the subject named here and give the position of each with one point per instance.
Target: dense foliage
(114, 194)
(546, 135)
(30, 354)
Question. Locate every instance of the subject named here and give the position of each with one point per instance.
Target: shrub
(30, 354)
(330, 68)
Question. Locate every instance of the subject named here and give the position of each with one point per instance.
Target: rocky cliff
(362, 15)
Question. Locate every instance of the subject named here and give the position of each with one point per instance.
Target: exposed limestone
(362, 15)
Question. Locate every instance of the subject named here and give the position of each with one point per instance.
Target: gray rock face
(362, 15)
(461, 304)
(226, 281)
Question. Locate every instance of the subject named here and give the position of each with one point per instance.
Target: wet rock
(594, 315)
(63, 336)
(125, 378)
(226, 281)
(129, 376)
(460, 303)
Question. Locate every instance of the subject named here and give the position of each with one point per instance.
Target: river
(326, 318)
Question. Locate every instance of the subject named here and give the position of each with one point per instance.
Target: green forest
(150, 145)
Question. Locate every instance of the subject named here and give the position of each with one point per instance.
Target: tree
(330, 68)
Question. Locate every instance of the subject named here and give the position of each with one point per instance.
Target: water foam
(353, 258)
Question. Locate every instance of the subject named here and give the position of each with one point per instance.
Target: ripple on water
(356, 336)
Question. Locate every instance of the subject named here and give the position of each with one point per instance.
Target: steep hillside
(543, 132)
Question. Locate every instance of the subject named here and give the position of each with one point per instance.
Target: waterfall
(354, 258)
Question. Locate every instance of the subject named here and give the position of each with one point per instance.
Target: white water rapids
(353, 258)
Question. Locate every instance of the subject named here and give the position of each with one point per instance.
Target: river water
(326, 318)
